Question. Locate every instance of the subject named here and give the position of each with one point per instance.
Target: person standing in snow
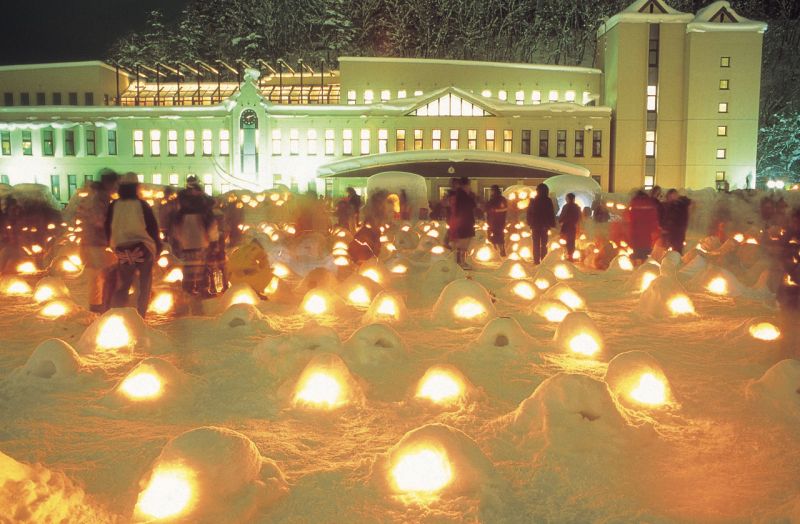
(462, 220)
(675, 220)
(193, 223)
(569, 218)
(541, 216)
(643, 219)
(132, 231)
(496, 211)
(354, 200)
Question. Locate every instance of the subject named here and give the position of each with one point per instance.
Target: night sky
(38, 31)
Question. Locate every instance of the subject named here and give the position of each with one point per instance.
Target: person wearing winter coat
(569, 219)
(541, 216)
(496, 210)
(462, 219)
(675, 220)
(644, 225)
(92, 212)
(193, 223)
(132, 231)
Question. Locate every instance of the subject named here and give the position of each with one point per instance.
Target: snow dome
(717, 281)
(779, 388)
(14, 286)
(522, 291)
(395, 181)
(375, 271)
(358, 291)
(320, 302)
(153, 380)
(568, 296)
(209, 474)
(240, 293)
(288, 353)
(119, 330)
(503, 334)
(643, 276)
(585, 189)
(389, 307)
(443, 386)
(326, 384)
(578, 335)
(49, 288)
(665, 298)
(463, 301)
(637, 380)
(374, 345)
(620, 265)
(52, 359)
(551, 310)
(441, 273)
(244, 317)
(58, 308)
(319, 277)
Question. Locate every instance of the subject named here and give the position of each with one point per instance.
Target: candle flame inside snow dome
(647, 279)
(26, 268)
(570, 298)
(524, 290)
(169, 493)
(484, 254)
(69, 267)
(280, 270)
(440, 387)
(44, 293)
(718, 286)
(341, 261)
(625, 263)
(517, 271)
(562, 272)
(650, 390)
(319, 389)
(18, 286)
(54, 309)
(468, 308)
(680, 305)
(359, 296)
(584, 344)
(372, 274)
(422, 472)
(162, 303)
(387, 307)
(556, 312)
(437, 250)
(765, 331)
(144, 385)
(175, 275)
(113, 333)
(163, 262)
(315, 304)
(399, 269)
(244, 296)
(541, 283)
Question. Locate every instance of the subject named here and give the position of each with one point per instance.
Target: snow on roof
(646, 11)
(395, 158)
(32, 117)
(720, 16)
(471, 63)
(59, 65)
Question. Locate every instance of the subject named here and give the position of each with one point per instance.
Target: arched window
(248, 120)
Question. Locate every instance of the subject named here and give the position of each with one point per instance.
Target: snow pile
(49, 288)
(52, 360)
(321, 302)
(578, 335)
(566, 295)
(716, 281)
(438, 275)
(244, 318)
(463, 302)
(443, 386)
(325, 384)
(319, 277)
(375, 347)
(288, 353)
(358, 290)
(209, 474)
(512, 269)
(240, 293)
(637, 380)
(502, 335)
(153, 381)
(778, 388)
(388, 307)
(665, 298)
(120, 330)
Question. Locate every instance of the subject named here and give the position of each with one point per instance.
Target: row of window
(156, 178)
(519, 96)
(49, 146)
(156, 137)
(56, 99)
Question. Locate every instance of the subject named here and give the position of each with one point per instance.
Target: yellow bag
(249, 263)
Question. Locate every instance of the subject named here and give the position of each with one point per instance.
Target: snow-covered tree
(779, 147)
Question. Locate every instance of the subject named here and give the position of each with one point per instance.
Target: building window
(56, 99)
(72, 185)
(400, 140)
(351, 97)
(224, 142)
(418, 92)
(561, 142)
(174, 180)
(486, 93)
(722, 130)
(87, 179)
(138, 142)
(579, 134)
(720, 176)
(725, 61)
(155, 142)
(69, 142)
(652, 57)
(208, 184)
(47, 142)
(454, 139)
(347, 141)
(386, 95)
(508, 139)
(27, 143)
(72, 98)
(5, 143)
(649, 181)
(724, 84)
(722, 154)
(401, 93)
(649, 144)
(8, 99)
(365, 139)
(330, 142)
(502, 95)
(88, 99)
(208, 147)
(525, 145)
(652, 92)
(569, 96)
(294, 142)
(544, 142)
(489, 140)
(188, 142)
(40, 99)
(276, 142)
(24, 99)
(723, 107)
(597, 143)
(55, 186)
(172, 142)
(553, 96)
(520, 97)
(311, 141)
(472, 139)
(156, 178)
(418, 139)
(369, 96)
(436, 139)
(91, 142)
(383, 140)
(112, 142)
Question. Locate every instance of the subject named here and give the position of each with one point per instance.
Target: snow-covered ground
(514, 420)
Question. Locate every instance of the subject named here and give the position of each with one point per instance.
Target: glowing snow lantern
(517, 271)
(541, 283)
(320, 389)
(570, 298)
(54, 309)
(718, 286)
(440, 387)
(584, 344)
(315, 304)
(168, 494)
(244, 296)
(738, 237)
(272, 287)
(280, 270)
(764, 331)
(75, 259)
(625, 263)
(341, 261)
(372, 274)
(36, 248)
(44, 293)
(399, 269)
(113, 334)
(424, 472)
(163, 262)
(175, 275)
(647, 279)
(144, 385)
(26, 268)
(69, 267)
(468, 308)
(650, 390)
(680, 305)
(162, 303)
(16, 287)
(562, 272)
(555, 312)
(554, 245)
(359, 296)
(437, 250)
(524, 290)
(484, 254)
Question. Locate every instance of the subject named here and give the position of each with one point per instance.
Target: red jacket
(644, 222)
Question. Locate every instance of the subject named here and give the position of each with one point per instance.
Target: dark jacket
(675, 216)
(541, 214)
(570, 217)
(462, 215)
(496, 209)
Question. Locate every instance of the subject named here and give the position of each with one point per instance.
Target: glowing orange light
(584, 344)
(765, 331)
(649, 391)
(169, 493)
(468, 308)
(424, 471)
(718, 286)
(320, 390)
(680, 305)
(524, 290)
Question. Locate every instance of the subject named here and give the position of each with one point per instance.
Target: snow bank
(638, 381)
(463, 302)
(209, 474)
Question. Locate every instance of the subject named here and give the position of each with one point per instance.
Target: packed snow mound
(620, 265)
(579, 336)
(288, 353)
(373, 346)
(388, 307)
(638, 381)
(14, 286)
(693, 263)
(671, 263)
(239, 293)
(375, 270)
(544, 278)
(439, 274)
(153, 381)
(549, 310)
(571, 412)
(49, 288)
(325, 384)
(244, 317)
(406, 240)
(716, 281)
(485, 255)
(433, 461)
(319, 277)
(568, 296)
(33, 494)
(58, 308)
(358, 291)
(463, 302)
(643, 276)
(120, 330)
(512, 269)
(779, 387)
(503, 334)
(443, 386)
(665, 298)
(53, 359)
(321, 302)
(209, 474)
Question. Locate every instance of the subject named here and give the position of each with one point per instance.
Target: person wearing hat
(194, 227)
(132, 231)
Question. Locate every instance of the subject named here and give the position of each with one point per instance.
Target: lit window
(553, 97)
(401, 93)
(383, 140)
(489, 136)
(597, 143)
(276, 141)
(347, 141)
(502, 95)
(579, 137)
(454, 139)
(725, 61)
(449, 105)
(650, 143)
(172, 142)
(569, 96)
(351, 97)
(652, 91)
(544, 142)
(138, 142)
(418, 92)
(91, 142)
(155, 142)
(722, 130)
(208, 184)
(311, 141)
(140, 178)
(561, 142)
(536, 97)
(436, 139)
(224, 142)
(386, 95)
(520, 97)
(486, 93)
(723, 107)
(5, 143)
(720, 175)
(173, 179)
(587, 97)
(365, 139)
(417, 139)
(330, 142)
(472, 139)
(368, 96)
(294, 141)
(724, 84)
(157, 179)
(722, 154)
(208, 137)
(188, 137)
(649, 181)
(400, 140)
(508, 138)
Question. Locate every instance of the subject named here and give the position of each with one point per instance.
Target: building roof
(646, 11)
(720, 16)
(471, 63)
(60, 65)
